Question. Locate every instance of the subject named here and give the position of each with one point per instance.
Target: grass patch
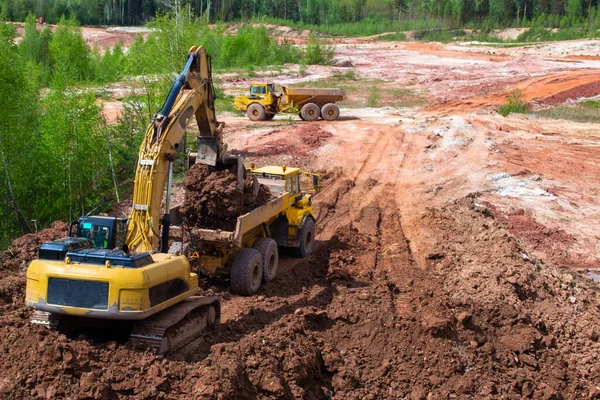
(515, 104)
(586, 111)
(401, 97)
(548, 35)
(438, 35)
(224, 103)
(392, 37)
(373, 97)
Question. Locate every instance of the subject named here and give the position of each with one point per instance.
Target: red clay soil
(543, 89)
(584, 91)
(439, 50)
(553, 243)
(293, 145)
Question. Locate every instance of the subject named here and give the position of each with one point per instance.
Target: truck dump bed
(319, 96)
(246, 222)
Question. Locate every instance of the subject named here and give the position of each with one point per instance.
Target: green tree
(18, 139)
(76, 173)
(69, 55)
(111, 65)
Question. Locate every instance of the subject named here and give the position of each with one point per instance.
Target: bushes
(317, 52)
(109, 67)
(515, 104)
(250, 47)
(69, 55)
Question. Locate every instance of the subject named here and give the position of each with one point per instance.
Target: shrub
(317, 52)
(515, 104)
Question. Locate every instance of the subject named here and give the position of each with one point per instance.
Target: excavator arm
(192, 94)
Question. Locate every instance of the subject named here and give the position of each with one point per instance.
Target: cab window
(258, 90)
(100, 235)
(293, 185)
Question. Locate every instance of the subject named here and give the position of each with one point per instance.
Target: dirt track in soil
(448, 237)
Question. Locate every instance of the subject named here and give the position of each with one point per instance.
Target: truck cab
(299, 184)
(280, 179)
(261, 90)
(261, 102)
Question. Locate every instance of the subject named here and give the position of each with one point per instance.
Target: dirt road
(449, 238)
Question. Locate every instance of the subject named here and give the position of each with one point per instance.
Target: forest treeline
(59, 159)
(335, 16)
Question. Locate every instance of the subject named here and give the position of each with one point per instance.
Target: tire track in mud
(375, 184)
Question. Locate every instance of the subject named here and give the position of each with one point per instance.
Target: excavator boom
(192, 94)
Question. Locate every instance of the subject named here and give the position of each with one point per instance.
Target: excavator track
(46, 319)
(176, 326)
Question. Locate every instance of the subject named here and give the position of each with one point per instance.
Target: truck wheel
(330, 112)
(270, 254)
(246, 272)
(256, 112)
(310, 112)
(307, 239)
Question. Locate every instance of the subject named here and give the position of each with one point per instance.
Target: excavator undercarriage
(165, 332)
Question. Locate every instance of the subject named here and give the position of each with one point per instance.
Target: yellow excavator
(116, 272)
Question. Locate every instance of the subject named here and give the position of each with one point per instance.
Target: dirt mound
(25, 248)
(44, 364)
(584, 91)
(510, 316)
(14, 261)
(213, 199)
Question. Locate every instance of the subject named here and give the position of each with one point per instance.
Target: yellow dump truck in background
(263, 102)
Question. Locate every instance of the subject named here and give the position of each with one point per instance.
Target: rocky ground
(450, 244)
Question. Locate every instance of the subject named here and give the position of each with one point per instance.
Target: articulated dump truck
(262, 102)
(250, 253)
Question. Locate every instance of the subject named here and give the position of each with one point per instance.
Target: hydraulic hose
(176, 88)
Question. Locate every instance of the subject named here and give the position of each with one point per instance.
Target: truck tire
(270, 254)
(330, 112)
(256, 112)
(307, 239)
(310, 112)
(246, 272)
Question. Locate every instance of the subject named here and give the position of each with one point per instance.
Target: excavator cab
(103, 232)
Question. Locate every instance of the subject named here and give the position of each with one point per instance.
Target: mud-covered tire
(256, 112)
(269, 117)
(310, 112)
(330, 112)
(306, 245)
(246, 272)
(270, 254)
